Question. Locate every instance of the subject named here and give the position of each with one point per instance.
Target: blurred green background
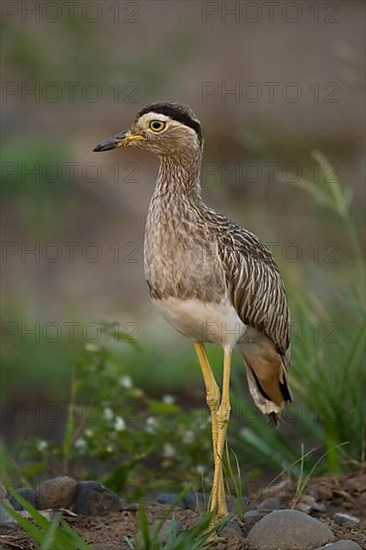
(281, 99)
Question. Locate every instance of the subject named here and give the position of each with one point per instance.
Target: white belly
(203, 322)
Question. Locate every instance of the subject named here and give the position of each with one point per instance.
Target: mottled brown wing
(255, 286)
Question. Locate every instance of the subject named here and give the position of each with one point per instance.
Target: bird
(212, 280)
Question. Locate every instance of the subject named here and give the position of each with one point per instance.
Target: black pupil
(157, 125)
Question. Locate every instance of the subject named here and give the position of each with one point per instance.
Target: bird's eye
(157, 125)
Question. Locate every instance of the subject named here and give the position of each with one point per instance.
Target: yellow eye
(157, 125)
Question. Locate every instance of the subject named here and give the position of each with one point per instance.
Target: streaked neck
(179, 176)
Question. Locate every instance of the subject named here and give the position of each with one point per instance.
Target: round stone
(345, 519)
(288, 530)
(195, 501)
(169, 498)
(6, 520)
(343, 544)
(55, 493)
(251, 518)
(230, 529)
(93, 499)
(27, 494)
(271, 503)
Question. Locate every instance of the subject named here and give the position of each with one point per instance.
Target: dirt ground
(339, 493)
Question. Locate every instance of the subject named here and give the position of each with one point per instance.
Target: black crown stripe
(176, 112)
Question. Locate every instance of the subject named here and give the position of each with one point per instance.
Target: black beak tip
(106, 145)
(110, 143)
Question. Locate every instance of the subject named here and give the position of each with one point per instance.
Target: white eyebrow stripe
(154, 116)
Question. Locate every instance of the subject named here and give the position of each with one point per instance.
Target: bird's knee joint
(213, 400)
(223, 413)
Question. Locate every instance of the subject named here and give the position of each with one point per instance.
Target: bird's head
(166, 129)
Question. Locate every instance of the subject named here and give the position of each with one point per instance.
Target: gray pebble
(303, 507)
(26, 493)
(344, 544)
(93, 499)
(345, 519)
(270, 504)
(169, 498)
(55, 493)
(288, 530)
(229, 529)
(192, 501)
(255, 515)
(195, 501)
(131, 507)
(306, 504)
(319, 507)
(6, 521)
(251, 518)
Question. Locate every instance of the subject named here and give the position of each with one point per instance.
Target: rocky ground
(331, 514)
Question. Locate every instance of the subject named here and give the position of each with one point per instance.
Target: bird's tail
(267, 383)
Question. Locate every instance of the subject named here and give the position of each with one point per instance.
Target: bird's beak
(123, 139)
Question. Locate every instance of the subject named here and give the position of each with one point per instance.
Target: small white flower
(109, 449)
(80, 443)
(151, 424)
(42, 445)
(188, 436)
(169, 399)
(119, 424)
(108, 413)
(201, 469)
(125, 382)
(168, 450)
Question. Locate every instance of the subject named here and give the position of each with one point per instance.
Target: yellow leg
(222, 416)
(213, 402)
